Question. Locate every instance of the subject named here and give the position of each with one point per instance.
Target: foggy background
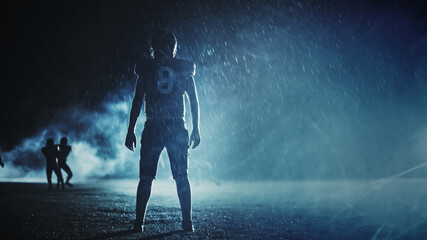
(287, 89)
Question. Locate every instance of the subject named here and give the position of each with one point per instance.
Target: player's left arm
(194, 104)
(68, 151)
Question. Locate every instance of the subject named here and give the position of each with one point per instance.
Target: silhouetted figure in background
(1, 163)
(164, 81)
(50, 152)
(64, 150)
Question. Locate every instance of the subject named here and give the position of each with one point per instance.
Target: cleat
(187, 227)
(137, 229)
(69, 184)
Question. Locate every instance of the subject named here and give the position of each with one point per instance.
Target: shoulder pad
(143, 65)
(188, 67)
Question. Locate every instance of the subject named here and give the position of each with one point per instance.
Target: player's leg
(178, 154)
(151, 148)
(49, 176)
(67, 169)
(57, 178)
(184, 194)
(145, 183)
(58, 173)
(142, 196)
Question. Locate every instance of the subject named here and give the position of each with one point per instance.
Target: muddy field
(281, 210)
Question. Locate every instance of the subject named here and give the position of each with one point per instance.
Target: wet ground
(379, 209)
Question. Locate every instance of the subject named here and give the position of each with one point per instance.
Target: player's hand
(195, 138)
(130, 141)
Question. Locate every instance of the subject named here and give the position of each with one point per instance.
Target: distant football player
(50, 152)
(64, 150)
(163, 81)
(1, 163)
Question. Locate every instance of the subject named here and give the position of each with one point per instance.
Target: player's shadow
(161, 235)
(112, 235)
(123, 233)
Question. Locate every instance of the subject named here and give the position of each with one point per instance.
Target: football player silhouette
(163, 81)
(50, 151)
(64, 150)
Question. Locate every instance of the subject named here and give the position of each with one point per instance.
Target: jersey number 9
(165, 79)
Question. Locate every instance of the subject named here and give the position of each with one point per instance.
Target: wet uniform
(164, 82)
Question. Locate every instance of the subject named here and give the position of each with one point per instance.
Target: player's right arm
(194, 105)
(134, 112)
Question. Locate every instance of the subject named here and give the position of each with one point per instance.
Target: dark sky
(61, 53)
(58, 55)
